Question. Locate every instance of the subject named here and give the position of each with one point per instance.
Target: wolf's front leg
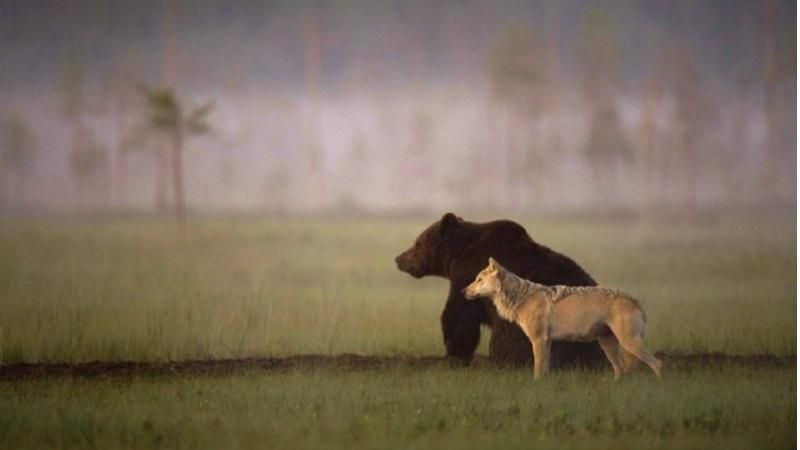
(541, 357)
(546, 356)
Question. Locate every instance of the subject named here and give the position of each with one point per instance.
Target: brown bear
(456, 249)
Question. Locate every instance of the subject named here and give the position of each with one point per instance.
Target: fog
(392, 107)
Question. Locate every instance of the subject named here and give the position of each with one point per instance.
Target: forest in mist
(396, 106)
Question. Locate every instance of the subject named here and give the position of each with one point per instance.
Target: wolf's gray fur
(515, 290)
(613, 318)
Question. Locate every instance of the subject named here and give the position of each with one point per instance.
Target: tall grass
(130, 290)
(407, 408)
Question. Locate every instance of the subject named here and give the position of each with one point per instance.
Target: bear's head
(429, 253)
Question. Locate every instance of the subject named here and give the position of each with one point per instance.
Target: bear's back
(511, 245)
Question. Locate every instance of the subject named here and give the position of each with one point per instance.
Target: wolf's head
(488, 282)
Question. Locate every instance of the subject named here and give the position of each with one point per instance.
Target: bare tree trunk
(691, 173)
(15, 192)
(118, 163)
(169, 45)
(648, 130)
(553, 17)
(599, 182)
(6, 190)
(688, 174)
(106, 185)
(76, 141)
(161, 176)
(312, 59)
(169, 52)
(177, 177)
(3, 188)
(770, 97)
(512, 162)
(506, 188)
(120, 179)
(490, 192)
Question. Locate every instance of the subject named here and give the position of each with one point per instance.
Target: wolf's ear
(496, 267)
(449, 222)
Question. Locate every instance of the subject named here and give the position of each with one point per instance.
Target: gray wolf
(547, 313)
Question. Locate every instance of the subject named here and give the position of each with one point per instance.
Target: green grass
(117, 290)
(129, 290)
(402, 408)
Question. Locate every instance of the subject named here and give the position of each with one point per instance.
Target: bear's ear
(449, 222)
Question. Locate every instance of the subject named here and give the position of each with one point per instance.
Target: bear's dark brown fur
(457, 250)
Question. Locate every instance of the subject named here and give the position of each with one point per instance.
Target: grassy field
(132, 291)
(400, 408)
(77, 291)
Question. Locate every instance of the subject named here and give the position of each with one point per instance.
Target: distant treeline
(389, 106)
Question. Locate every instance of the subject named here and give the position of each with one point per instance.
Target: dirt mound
(345, 362)
(688, 360)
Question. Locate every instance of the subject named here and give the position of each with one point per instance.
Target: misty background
(396, 106)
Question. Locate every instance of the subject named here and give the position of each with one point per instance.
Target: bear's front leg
(509, 346)
(461, 328)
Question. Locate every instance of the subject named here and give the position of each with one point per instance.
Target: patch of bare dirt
(344, 362)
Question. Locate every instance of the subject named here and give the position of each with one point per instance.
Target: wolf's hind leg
(635, 346)
(610, 346)
(627, 361)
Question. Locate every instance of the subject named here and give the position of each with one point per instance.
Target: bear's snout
(402, 262)
(405, 264)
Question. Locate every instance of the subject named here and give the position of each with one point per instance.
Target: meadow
(79, 290)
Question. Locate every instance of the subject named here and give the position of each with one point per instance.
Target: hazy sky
(263, 40)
